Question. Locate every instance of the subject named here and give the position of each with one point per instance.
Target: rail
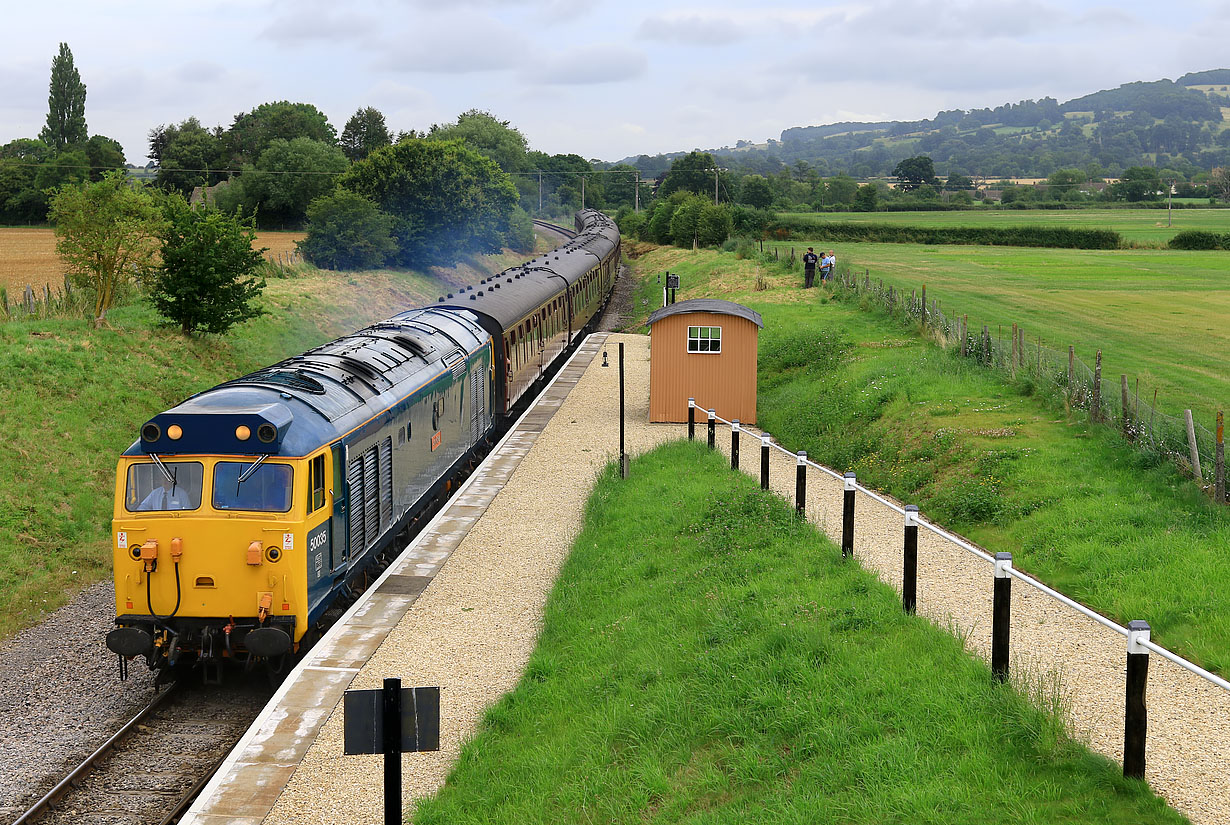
(67, 783)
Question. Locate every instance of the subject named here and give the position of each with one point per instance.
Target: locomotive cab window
(266, 488)
(316, 485)
(704, 339)
(150, 489)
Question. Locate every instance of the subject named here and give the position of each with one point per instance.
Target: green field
(706, 657)
(1158, 315)
(1140, 226)
(1118, 529)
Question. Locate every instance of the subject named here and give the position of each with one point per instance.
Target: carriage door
(478, 406)
(341, 510)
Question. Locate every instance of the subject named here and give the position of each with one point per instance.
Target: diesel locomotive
(246, 512)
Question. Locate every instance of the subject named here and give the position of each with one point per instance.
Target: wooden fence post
(909, 565)
(1096, 409)
(1219, 462)
(1127, 415)
(1135, 714)
(1014, 352)
(1071, 376)
(800, 484)
(1001, 616)
(847, 516)
(1192, 446)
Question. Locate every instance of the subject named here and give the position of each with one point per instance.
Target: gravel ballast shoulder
(474, 627)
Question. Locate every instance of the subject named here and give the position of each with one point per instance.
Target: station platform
(460, 608)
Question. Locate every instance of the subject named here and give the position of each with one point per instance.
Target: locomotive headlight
(267, 433)
(242, 432)
(151, 432)
(174, 432)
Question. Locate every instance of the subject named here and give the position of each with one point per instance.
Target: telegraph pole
(539, 191)
(715, 186)
(638, 191)
(582, 191)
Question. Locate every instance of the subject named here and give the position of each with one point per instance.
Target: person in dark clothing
(810, 259)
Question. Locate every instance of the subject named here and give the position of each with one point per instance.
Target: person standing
(810, 258)
(827, 265)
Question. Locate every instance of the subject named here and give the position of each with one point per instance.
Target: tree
(912, 173)
(756, 192)
(1219, 183)
(487, 135)
(184, 153)
(365, 132)
(103, 154)
(289, 175)
(65, 104)
(252, 132)
(691, 173)
(207, 280)
(865, 198)
(1137, 183)
(957, 182)
(620, 189)
(446, 200)
(106, 232)
(347, 231)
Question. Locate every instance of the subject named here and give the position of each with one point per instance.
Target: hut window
(704, 339)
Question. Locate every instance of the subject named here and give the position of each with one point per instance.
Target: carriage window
(704, 339)
(267, 489)
(316, 485)
(149, 489)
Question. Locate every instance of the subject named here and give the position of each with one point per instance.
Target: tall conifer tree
(65, 104)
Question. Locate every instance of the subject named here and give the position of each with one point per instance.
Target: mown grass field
(1142, 226)
(1119, 530)
(708, 658)
(1157, 315)
(28, 256)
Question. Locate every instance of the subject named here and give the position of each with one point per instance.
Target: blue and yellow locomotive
(246, 512)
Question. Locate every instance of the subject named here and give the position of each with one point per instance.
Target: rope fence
(1137, 632)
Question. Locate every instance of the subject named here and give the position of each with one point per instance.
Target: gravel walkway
(473, 629)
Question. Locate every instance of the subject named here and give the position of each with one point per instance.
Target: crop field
(28, 256)
(1139, 226)
(1157, 315)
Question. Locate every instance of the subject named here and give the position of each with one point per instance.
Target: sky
(599, 79)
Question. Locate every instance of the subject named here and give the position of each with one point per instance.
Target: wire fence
(42, 303)
(1057, 374)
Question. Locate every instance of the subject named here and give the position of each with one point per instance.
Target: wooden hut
(703, 349)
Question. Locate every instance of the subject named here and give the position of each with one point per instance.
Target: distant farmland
(28, 256)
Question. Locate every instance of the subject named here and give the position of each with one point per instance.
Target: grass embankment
(73, 397)
(1157, 316)
(1139, 226)
(1075, 505)
(706, 657)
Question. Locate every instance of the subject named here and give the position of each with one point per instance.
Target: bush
(1195, 239)
(207, 281)
(1059, 237)
(347, 231)
(520, 234)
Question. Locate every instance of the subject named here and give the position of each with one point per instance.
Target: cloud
(481, 45)
(692, 30)
(303, 26)
(601, 63)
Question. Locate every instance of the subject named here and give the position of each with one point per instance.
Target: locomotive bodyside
(312, 466)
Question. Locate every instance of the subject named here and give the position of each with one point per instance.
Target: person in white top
(166, 496)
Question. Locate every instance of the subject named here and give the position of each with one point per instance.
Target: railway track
(150, 770)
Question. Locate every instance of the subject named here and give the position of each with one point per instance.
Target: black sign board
(672, 281)
(363, 721)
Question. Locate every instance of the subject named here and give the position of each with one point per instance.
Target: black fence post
(623, 453)
(712, 429)
(800, 484)
(392, 750)
(1001, 616)
(764, 461)
(734, 444)
(691, 419)
(909, 567)
(1135, 715)
(847, 516)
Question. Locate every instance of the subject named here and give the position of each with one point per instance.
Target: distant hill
(1177, 125)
